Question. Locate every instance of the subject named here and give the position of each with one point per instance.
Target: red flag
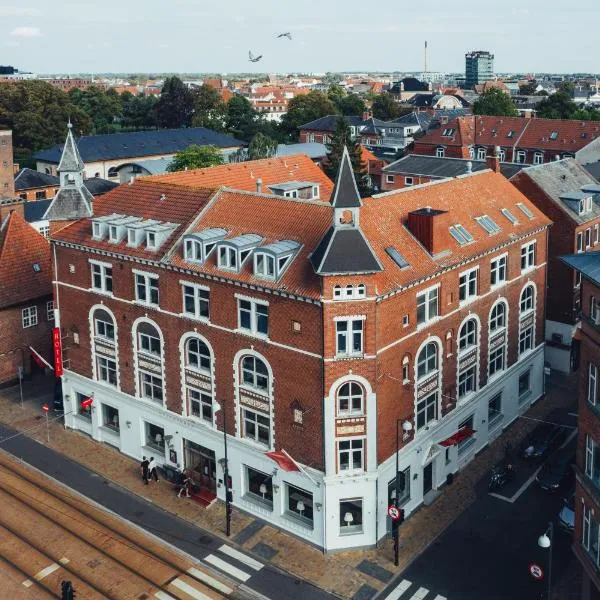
(87, 402)
(39, 360)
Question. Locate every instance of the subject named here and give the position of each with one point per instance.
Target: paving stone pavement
(339, 573)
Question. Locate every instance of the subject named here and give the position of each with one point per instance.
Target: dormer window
(97, 230)
(71, 178)
(233, 252)
(581, 206)
(271, 261)
(228, 258)
(264, 265)
(588, 204)
(150, 240)
(198, 246)
(192, 250)
(131, 237)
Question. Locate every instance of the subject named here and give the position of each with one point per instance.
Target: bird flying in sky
(253, 58)
(287, 34)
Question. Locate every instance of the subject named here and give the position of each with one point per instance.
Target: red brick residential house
(529, 141)
(317, 328)
(7, 184)
(587, 490)
(569, 196)
(26, 306)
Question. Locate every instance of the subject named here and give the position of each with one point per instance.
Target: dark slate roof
(411, 84)
(344, 251)
(593, 169)
(141, 143)
(329, 123)
(70, 204)
(587, 263)
(451, 113)
(35, 211)
(27, 179)
(98, 186)
(70, 159)
(345, 193)
(432, 166)
(420, 119)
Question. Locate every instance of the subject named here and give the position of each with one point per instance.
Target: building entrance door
(200, 462)
(427, 478)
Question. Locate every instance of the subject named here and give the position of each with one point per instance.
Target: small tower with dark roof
(344, 249)
(73, 200)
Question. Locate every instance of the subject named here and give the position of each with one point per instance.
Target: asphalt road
(487, 551)
(268, 581)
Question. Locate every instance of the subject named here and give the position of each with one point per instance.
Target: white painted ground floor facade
(331, 512)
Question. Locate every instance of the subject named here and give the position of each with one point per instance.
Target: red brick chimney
(367, 115)
(493, 161)
(429, 226)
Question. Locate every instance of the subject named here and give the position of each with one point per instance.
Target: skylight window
(554, 135)
(397, 257)
(488, 224)
(525, 210)
(36, 267)
(449, 131)
(460, 234)
(509, 216)
(510, 134)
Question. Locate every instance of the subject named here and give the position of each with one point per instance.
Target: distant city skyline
(340, 35)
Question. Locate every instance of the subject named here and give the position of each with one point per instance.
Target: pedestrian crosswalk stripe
(189, 590)
(402, 587)
(420, 594)
(240, 556)
(209, 580)
(160, 595)
(45, 572)
(439, 597)
(227, 568)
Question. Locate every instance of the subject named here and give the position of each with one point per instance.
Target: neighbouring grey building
(479, 67)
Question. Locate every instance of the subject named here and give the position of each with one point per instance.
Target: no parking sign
(536, 571)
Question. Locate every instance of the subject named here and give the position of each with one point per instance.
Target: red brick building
(317, 327)
(570, 197)
(7, 185)
(587, 490)
(26, 306)
(528, 141)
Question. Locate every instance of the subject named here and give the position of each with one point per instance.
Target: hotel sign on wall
(57, 351)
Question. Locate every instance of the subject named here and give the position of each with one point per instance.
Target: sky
(125, 36)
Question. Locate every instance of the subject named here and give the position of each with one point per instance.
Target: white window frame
(145, 339)
(197, 295)
(588, 237)
(592, 396)
(29, 317)
(250, 415)
(263, 272)
(467, 382)
(356, 446)
(465, 281)
(355, 326)
(151, 241)
(142, 278)
(494, 324)
(526, 341)
(422, 406)
(408, 181)
(440, 152)
(528, 309)
(97, 230)
(494, 419)
(155, 382)
(254, 314)
(425, 361)
(579, 241)
(467, 335)
(228, 258)
(204, 401)
(50, 311)
(499, 270)
(104, 271)
(596, 233)
(192, 250)
(351, 397)
(538, 158)
(497, 360)
(521, 156)
(481, 153)
(528, 256)
(428, 297)
(104, 324)
(389, 178)
(104, 367)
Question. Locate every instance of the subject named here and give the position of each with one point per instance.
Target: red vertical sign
(57, 350)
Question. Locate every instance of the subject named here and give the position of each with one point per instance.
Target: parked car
(542, 440)
(566, 516)
(557, 473)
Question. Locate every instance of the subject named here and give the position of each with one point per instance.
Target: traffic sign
(536, 571)
(45, 408)
(394, 512)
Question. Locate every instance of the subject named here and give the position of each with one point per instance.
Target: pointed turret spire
(345, 193)
(70, 161)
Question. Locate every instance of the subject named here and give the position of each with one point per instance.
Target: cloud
(26, 32)
(11, 43)
(19, 12)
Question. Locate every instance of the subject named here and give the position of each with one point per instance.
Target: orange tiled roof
(243, 176)
(21, 247)
(366, 155)
(383, 219)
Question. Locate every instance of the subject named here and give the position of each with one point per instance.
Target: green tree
(528, 89)
(341, 137)
(336, 93)
(387, 109)
(352, 105)
(303, 109)
(242, 120)
(104, 107)
(261, 146)
(196, 157)
(38, 113)
(209, 109)
(139, 112)
(176, 105)
(495, 102)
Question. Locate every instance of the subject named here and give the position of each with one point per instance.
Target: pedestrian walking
(152, 469)
(145, 466)
(184, 484)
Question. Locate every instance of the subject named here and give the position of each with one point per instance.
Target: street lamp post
(545, 541)
(228, 493)
(406, 427)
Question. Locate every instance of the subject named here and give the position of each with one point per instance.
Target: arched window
(361, 290)
(112, 172)
(467, 337)
(197, 355)
(150, 374)
(337, 291)
(498, 317)
(350, 399)
(526, 303)
(105, 334)
(148, 339)
(255, 373)
(104, 325)
(427, 362)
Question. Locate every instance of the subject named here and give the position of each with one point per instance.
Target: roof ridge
(275, 197)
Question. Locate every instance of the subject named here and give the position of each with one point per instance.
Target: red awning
(459, 436)
(284, 461)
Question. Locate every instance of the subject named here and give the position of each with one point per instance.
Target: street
(487, 551)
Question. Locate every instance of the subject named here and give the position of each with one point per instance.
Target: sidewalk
(343, 573)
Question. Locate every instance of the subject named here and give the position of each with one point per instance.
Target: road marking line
(227, 568)
(64, 560)
(163, 596)
(47, 571)
(404, 585)
(189, 590)
(28, 583)
(516, 495)
(566, 442)
(439, 597)
(420, 594)
(243, 558)
(211, 581)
